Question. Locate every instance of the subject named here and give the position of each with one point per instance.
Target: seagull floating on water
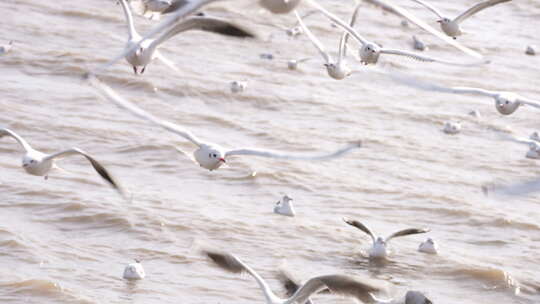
(148, 48)
(452, 127)
(151, 9)
(347, 285)
(378, 250)
(238, 86)
(134, 271)
(530, 50)
(450, 26)
(419, 44)
(208, 155)
(285, 207)
(429, 246)
(6, 48)
(38, 163)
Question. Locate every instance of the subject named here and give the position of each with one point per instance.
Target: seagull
(6, 48)
(238, 86)
(506, 103)
(419, 44)
(351, 286)
(530, 50)
(336, 69)
(535, 136)
(452, 127)
(451, 27)
(148, 48)
(134, 271)
(292, 284)
(429, 246)
(534, 146)
(208, 155)
(285, 207)
(151, 9)
(38, 163)
(378, 250)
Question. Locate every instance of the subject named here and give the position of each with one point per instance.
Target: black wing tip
(224, 260)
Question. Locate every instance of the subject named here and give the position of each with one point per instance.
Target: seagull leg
(46, 177)
(135, 70)
(144, 68)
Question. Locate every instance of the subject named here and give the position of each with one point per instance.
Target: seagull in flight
(38, 163)
(378, 250)
(208, 155)
(347, 285)
(148, 48)
(450, 26)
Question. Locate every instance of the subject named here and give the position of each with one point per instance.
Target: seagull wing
(430, 7)
(204, 23)
(281, 155)
(406, 232)
(427, 58)
(413, 19)
(112, 96)
(20, 140)
(314, 40)
(292, 284)
(475, 9)
(345, 36)
(360, 226)
(345, 285)
(97, 166)
(528, 102)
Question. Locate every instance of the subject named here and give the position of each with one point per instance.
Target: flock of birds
(140, 50)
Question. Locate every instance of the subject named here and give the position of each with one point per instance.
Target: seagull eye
(214, 155)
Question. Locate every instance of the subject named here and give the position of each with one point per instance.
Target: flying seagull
(208, 155)
(378, 250)
(148, 48)
(38, 163)
(351, 286)
(451, 26)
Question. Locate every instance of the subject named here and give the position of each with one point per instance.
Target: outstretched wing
(345, 285)
(475, 9)
(95, 164)
(528, 102)
(406, 232)
(429, 59)
(313, 39)
(20, 140)
(345, 36)
(111, 95)
(204, 23)
(430, 7)
(281, 155)
(360, 226)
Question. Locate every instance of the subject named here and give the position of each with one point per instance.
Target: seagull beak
(222, 160)
(25, 165)
(440, 21)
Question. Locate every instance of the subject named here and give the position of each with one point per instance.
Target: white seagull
(451, 26)
(378, 250)
(336, 69)
(151, 9)
(346, 285)
(38, 163)
(285, 206)
(534, 146)
(292, 284)
(134, 271)
(148, 48)
(208, 155)
(452, 127)
(506, 103)
(6, 48)
(428, 246)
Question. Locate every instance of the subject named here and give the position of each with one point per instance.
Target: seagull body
(411, 297)
(40, 164)
(6, 48)
(346, 285)
(530, 50)
(428, 246)
(208, 155)
(238, 86)
(451, 27)
(285, 207)
(134, 271)
(378, 249)
(419, 44)
(452, 127)
(146, 50)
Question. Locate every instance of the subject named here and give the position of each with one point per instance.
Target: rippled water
(67, 239)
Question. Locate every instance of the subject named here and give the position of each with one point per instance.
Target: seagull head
(369, 53)
(380, 241)
(28, 162)
(444, 20)
(209, 157)
(506, 103)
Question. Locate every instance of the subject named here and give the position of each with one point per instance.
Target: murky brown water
(67, 239)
